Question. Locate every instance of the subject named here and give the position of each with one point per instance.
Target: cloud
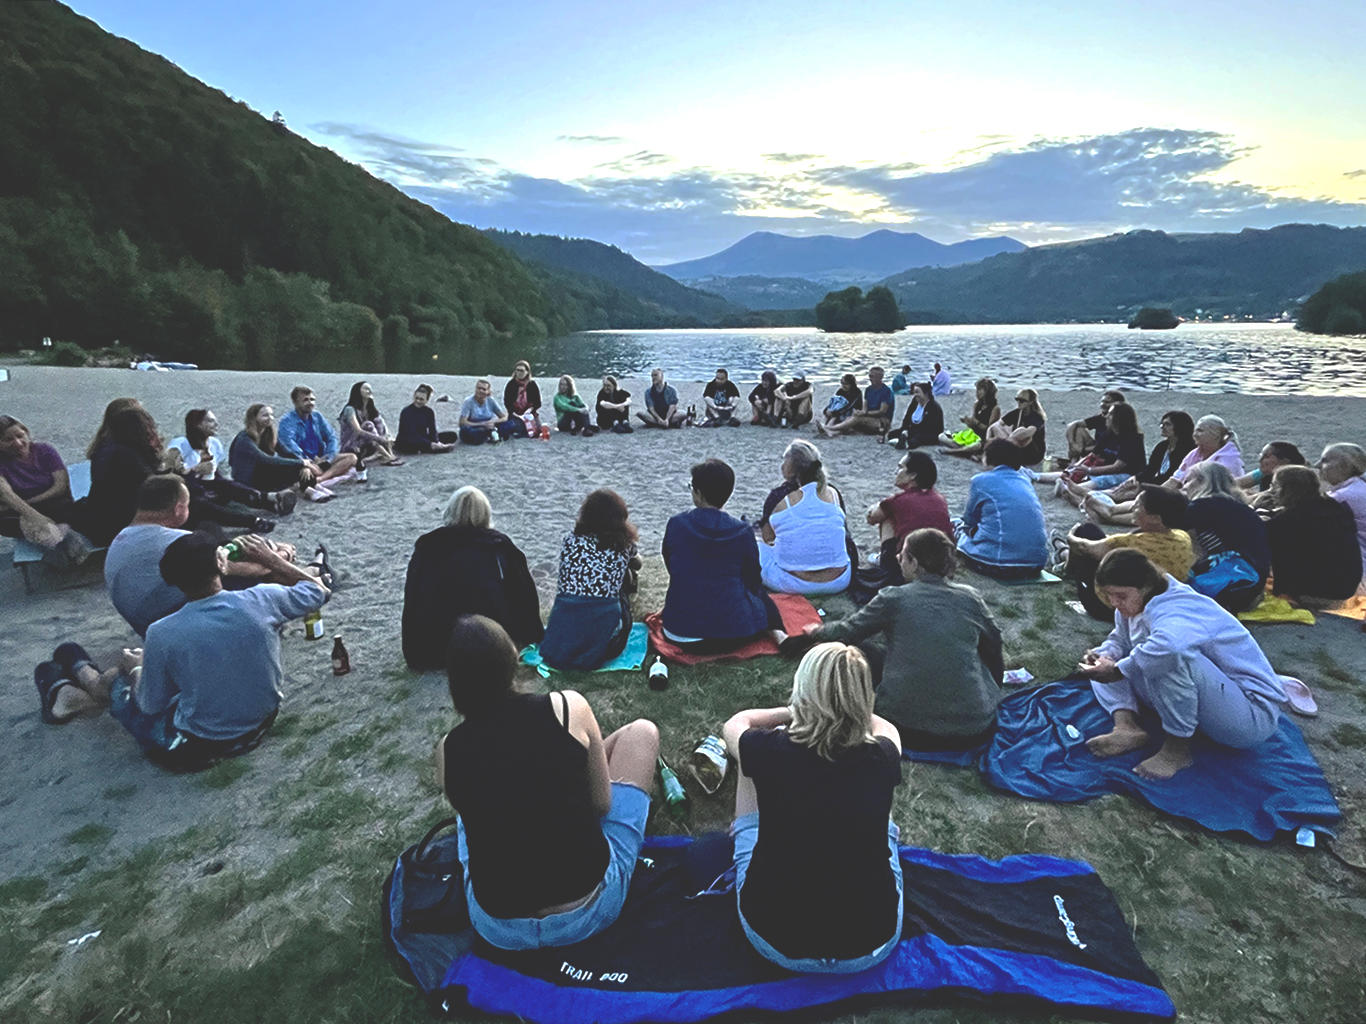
(1040, 190)
(1355, 174)
(591, 140)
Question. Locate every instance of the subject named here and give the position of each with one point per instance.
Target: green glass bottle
(674, 794)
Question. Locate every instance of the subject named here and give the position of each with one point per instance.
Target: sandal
(72, 657)
(321, 564)
(50, 679)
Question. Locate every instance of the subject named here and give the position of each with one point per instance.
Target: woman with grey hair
(1228, 537)
(466, 567)
(804, 549)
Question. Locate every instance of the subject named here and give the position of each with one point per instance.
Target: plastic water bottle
(674, 793)
(659, 675)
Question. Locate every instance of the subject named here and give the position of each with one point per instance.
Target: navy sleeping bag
(1027, 932)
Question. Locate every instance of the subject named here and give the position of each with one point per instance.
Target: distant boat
(1149, 318)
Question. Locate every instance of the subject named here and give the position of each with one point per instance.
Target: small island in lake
(1150, 318)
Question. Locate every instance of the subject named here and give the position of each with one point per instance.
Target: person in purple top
(35, 493)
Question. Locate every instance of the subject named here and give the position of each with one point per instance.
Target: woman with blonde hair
(1022, 426)
(804, 549)
(1223, 529)
(257, 461)
(466, 567)
(570, 411)
(819, 774)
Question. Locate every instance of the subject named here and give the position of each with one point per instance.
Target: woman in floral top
(591, 619)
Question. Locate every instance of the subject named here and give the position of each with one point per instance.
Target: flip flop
(324, 569)
(1300, 698)
(50, 678)
(72, 657)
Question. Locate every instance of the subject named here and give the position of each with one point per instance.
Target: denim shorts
(746, 833)
(1108, 480)
(624, 828)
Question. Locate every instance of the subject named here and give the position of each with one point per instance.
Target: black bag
(433, 883)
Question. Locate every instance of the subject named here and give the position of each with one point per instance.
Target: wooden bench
(27, 554)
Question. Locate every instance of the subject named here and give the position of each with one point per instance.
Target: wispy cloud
(1355, 174)
(592, 140)
(1037, 190)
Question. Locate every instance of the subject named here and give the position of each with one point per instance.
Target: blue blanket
(1026, 932)
(1273, 787)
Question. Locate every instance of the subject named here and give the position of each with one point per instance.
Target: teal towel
(629, 660)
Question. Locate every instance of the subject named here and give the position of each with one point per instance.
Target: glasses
(1021, 398)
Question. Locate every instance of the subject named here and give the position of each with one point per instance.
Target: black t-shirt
(615, 397)
(519, 780)
(1223, 524)
(1126, 448)
(1314, 550)
(763, 394)
(853, 396)
(1095, 423)
(1033, 452)
(792, 387)
(1162, 463)
(820, 883)
(723, 394)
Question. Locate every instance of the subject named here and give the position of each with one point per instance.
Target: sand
(53, 778)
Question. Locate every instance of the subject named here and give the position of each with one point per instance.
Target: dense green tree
(1339, 307)
(850, 311)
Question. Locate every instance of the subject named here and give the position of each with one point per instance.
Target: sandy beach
(58, 779)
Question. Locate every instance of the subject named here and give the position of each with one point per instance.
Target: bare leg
(1127, 735)
(1174, 755)
(345, 462)
(746, 797)
(632, 752)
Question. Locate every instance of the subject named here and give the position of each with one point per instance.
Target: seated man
(938, 665)
(132, 571)
(716, 599)
(1158, 512)
(763, 401)
(661, 404)
(901, 383)
(876, 415)
(1081, 434)
(795, 400)
(483, 418)
(940, 381)
(417, 433)
(718, 399)
(306, 434)
(209, 684)
(1002, 532)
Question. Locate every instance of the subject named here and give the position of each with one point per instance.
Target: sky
(674, 130)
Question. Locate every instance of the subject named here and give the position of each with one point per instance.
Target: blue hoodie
(714, 588)
(1003, 522)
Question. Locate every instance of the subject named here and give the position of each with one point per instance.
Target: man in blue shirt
(661, 404)
(876, 415)
(208, 685)
(307, 434)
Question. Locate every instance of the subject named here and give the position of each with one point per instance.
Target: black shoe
(732, 422)
(589, 431)
(324, 568)
(263, 526)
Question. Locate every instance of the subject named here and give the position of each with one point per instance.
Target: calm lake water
(1256, 359)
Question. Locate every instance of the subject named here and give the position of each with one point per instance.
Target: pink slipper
(1301, 700)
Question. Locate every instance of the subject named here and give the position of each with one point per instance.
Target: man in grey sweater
(935, 646)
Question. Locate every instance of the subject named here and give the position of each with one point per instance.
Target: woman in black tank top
(552, 815)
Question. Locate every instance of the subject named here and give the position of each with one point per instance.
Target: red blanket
(797, 613)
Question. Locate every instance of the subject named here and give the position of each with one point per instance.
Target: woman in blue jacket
(716, 599)
(1002, 532)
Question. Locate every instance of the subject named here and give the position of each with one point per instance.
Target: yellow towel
(1277, 609)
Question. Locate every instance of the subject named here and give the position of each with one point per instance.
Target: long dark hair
(982, 407)
(604, 515)
(111, 410)
(1125, 419)
(135, 429)
(1183, 427)
(365, 408)
(193, 433)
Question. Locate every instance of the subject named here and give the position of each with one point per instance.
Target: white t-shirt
(219, 455)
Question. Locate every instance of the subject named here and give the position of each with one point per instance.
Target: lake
(1254, 359)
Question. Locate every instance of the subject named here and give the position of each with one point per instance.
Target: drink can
(709, 764)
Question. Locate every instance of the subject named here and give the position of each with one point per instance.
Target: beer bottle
(341, 661)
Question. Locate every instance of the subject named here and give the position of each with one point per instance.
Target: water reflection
(1244, 358)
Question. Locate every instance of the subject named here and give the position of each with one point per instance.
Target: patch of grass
(1009, 611)
(24, 889)
(1349, 735)
(362, 739)
(90, 835)
(398, 694)
(1330, 669)
(224, 774)
(1046, 611)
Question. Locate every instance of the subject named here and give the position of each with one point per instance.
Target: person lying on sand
(1181, 655)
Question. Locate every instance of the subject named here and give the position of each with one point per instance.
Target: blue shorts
(624, 828)
(746, 833)
(1107, 480)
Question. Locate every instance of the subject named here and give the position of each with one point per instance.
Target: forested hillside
(138, 204)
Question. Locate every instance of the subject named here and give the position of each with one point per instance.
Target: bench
(27, 554)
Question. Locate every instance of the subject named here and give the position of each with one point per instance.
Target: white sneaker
(350, 476)
(318, 494)
(362, 475)
(494, 437)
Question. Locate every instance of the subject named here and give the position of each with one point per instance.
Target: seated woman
(1158, 514)
(529, 771)
(591, 619)
(613, 408)
(923, 422)
(1342, 467)
(1221, 525)
(846, 400)
(363, 430)
(417, 433)
(1176, 428)
(571, 414)
(817, 865)
(934, 648)
(129, 454)
(1115, 457)
(522, 398)
(986, 410)
(763, 401)
(35, 494)
(463, 567)
(1314, 554)
(915, 506)
(258, 462)
(1257, 484)
(1178, 653)
(803, 549)
(716, 600)
(205, 468)
(1002, 532)
(1023, 427)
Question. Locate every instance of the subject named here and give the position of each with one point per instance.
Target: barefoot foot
(1122, 740)
(1174, 756)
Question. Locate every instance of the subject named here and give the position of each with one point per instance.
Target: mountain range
(829, 259)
